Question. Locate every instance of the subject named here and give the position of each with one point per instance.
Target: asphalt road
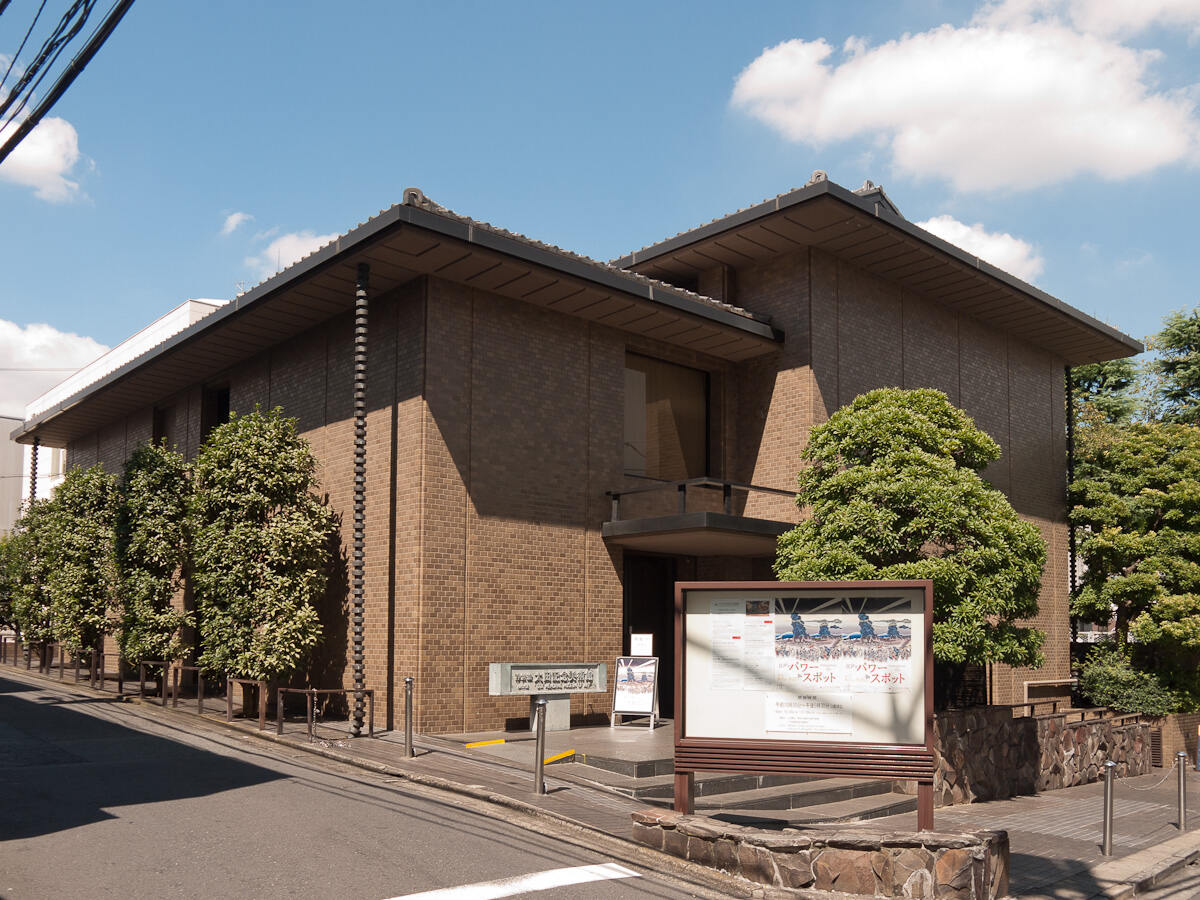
(100, 798)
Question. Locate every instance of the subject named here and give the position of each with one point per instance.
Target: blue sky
(1067, 125)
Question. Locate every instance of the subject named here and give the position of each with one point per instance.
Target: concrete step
(856, 809)
(797, 796)
(631, 768)
(663, 786)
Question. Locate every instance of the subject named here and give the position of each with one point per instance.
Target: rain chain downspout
(1071, 569)
(360, 492)
(37, 442)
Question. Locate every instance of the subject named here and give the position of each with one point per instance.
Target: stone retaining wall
(984, 753)
(858, 863)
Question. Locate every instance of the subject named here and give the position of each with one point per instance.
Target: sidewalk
(1054, 837)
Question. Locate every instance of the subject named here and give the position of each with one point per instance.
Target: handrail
(727, 489)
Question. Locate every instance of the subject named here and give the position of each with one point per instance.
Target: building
(12, 471)
(551, 441)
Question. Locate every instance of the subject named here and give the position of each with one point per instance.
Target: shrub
(1109, 678)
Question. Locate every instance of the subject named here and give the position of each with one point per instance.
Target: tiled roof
(416, 197)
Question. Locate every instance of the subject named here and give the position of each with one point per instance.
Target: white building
(52, 465)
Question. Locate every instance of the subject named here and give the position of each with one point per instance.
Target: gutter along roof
(867, 232)
(404, 242)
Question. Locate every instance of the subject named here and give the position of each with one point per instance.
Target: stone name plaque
(546, 678)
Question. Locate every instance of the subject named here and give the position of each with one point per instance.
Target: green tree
(894, 492)
(260, 547)
(7, 572)
(1177, 389)
(29, 563)
(81, 578)
(151, 551)
(1136, 496)
(1106, 391)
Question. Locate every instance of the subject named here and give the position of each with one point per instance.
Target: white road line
(524, 884)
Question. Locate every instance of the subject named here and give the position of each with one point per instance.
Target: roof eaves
(434, 218)
(883, 213)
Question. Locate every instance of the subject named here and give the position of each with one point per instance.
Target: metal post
(279, 711)
(175, 688)
(308, 713)
(228, 699)
(141, 679)
(539, 764)
(371, 713)
(262, 706)
(1181, 761)
(199, 692)
(408, 717)
(1109, 769)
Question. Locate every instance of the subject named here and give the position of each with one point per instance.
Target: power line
(69, 74)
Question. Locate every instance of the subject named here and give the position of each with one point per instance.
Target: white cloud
(233, 220)
(1013, 255)
(1017, 99)
(285, 250)
(44, 160)
(1106, 17)
(35, 347)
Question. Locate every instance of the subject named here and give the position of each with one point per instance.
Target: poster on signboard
(860, 652)
(806, 664)
(636, 687)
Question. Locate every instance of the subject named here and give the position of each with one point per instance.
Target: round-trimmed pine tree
(893, 491)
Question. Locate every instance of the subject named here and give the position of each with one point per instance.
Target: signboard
(635, 690)
(546, 678)
(830, 665)
(812, 678)
(641, 644)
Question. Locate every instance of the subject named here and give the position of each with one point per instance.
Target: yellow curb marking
(556, 758)
(484, 743)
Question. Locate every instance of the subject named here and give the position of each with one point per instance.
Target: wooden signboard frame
(893, 761)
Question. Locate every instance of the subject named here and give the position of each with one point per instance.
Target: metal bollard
(408, 717)
(1109, 769)
(539, 764)
(1181, 759)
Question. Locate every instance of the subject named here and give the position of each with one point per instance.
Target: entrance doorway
(650, 609)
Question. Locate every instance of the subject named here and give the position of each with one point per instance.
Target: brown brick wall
(494, 429)
(847, 333)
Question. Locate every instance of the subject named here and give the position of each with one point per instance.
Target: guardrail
(262, 699)
(310, 695)
(10, 653)
(681, 488)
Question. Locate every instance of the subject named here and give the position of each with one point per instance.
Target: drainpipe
(37, 443)
(360, 491)
(1074, 585)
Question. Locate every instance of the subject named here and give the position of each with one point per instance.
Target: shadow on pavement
(66, 768)
(1036, 875)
